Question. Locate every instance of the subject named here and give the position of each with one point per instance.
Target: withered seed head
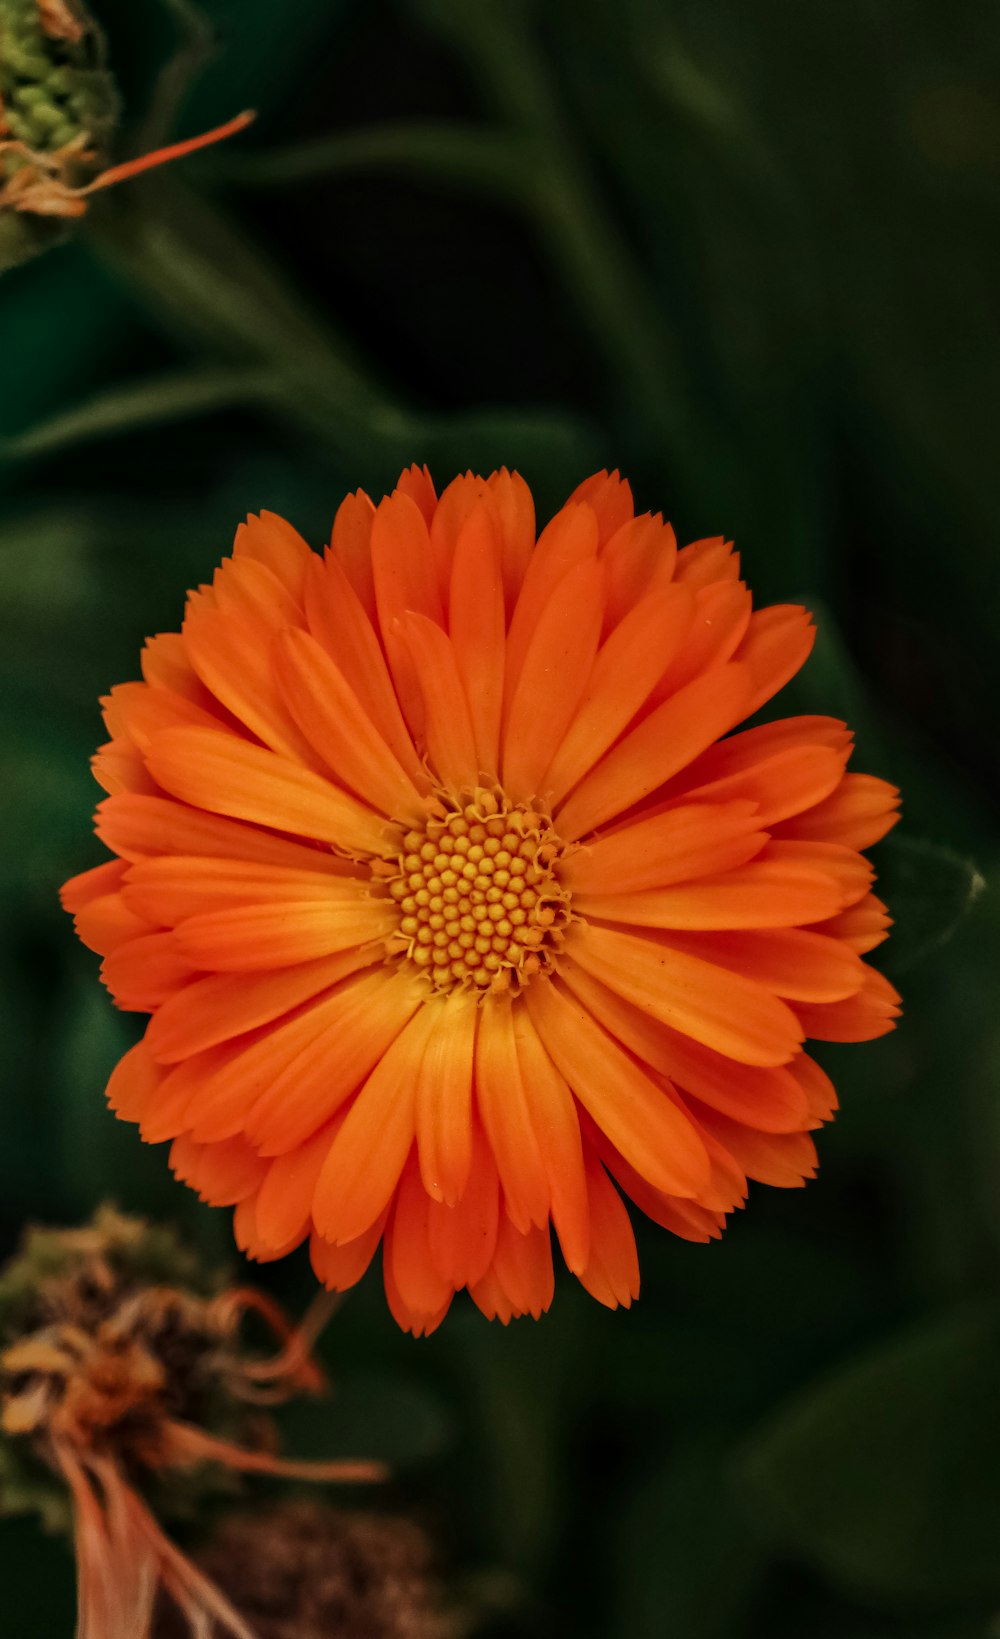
(301, 1570)
(116, 1346)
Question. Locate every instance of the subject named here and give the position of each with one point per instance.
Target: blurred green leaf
(387, 1417)
(135, 404)
(96, 1153)
(689, 1564)
(887, 1476)
(461, 155)
(930, 890)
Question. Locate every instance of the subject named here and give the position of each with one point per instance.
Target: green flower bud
(54, 85)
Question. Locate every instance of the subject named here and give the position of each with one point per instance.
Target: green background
(747, 254)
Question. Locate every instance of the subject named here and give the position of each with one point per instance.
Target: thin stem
(463, 155)
(174, 396)
(213, 285)
(193, 1445)
(176, 78)
(583, 240)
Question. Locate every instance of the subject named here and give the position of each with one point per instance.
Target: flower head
(457, 902)
(302, 1570)
(123, 1375)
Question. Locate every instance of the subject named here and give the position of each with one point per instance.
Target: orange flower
(457, 903)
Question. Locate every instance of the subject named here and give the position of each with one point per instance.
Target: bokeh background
(748, 254)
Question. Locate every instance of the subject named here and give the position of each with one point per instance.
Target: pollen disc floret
(480, 902)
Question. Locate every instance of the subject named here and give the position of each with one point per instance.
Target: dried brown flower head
(301, 1570)
(124, 1376)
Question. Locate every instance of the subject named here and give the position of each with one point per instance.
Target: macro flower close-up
(463, 902)
(498, 648)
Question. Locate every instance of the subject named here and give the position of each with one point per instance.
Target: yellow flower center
(479, 900)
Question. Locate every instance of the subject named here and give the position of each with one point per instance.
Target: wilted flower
(123, 1380)
(301, 1570)
(454, 897)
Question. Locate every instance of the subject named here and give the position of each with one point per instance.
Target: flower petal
(861, 926)
(119, 766)
(569, 539)
(447, 730)
(622, 677)
(852, 873)
(135, 712)
(106, 923)
(721, 616)
(503, 1104)
(166, 664)
(522, 1263)
(612, 1272)
(370, 1150)
(462, 1237)
(638, 560)
(610, 495)
(782, 785)
(283, 1209)
(225, 1005)
(691, 840)
(135, 825)
(146, 972)
(768, 1097)
(337, 619)
(515, 511)
(702, 562)
(858, 814)
(97, 883)
(660, 745)
(635, 1113)
(335, 723)
(784, 1160)
(476, 625)
(171, 887)
(793, 962)
(460, 501)
(554, 1119)
(735, 1015)
(350, 548)
(358, 1023)
(232, 656)
(244, 586)
(778, 643)
(169, 1113)
(221, 1174)
(557, 664)
(226, 776)
(444, 1099)
(405, 580)
(687, 1219)
(415, 1275)
(417, 483)
(133, 1083)
(767, 892)
(274, 542)
(870, 1013)
(756, 745)
(338, 1268)
(248, 938)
